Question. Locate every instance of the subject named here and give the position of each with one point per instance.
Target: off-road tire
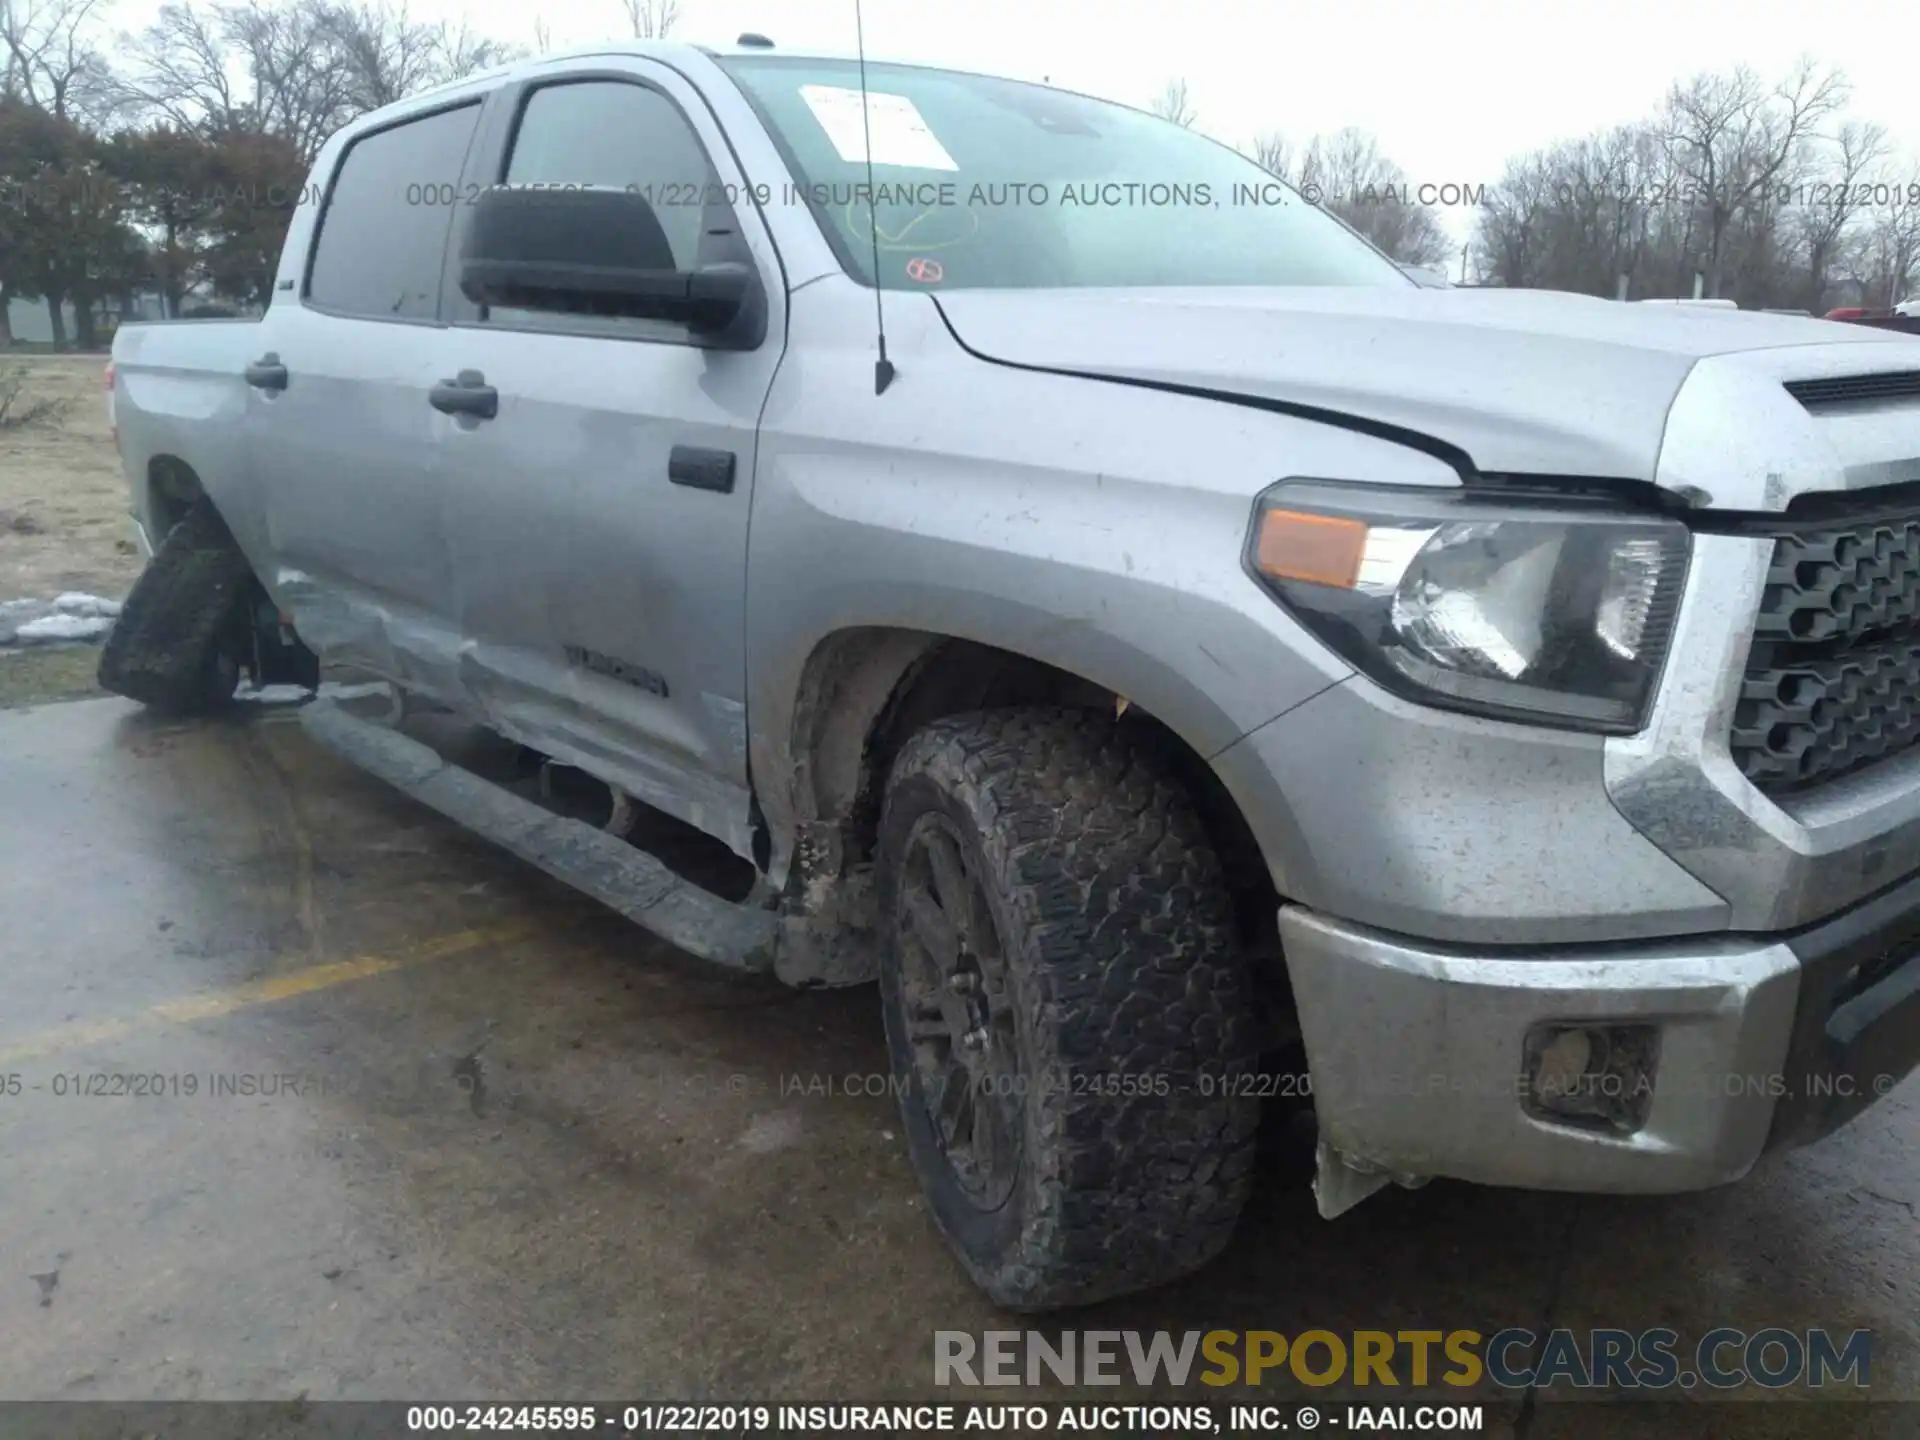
(177, 644)
(1123, 970)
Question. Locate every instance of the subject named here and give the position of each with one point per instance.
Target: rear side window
(384, 232)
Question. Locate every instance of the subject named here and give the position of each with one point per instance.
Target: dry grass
(35, 677)
(63, 501)
(13, 524)
(19, 407)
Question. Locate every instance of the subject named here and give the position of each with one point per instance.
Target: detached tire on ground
(1067, 1008)
(178, 642)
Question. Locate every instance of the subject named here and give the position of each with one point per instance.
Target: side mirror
(602, 252)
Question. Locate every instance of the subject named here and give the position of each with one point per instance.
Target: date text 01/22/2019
(1067, 1418)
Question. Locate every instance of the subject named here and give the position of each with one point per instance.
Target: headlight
(1535, 610)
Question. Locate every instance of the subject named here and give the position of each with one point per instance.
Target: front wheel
(177, 644)
(1066, 1007)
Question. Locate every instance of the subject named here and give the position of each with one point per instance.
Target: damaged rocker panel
(604, 866)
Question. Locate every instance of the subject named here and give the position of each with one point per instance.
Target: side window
(611, 134)
(384, 232)
(617, 136)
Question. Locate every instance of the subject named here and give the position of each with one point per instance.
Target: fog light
(1595, 1077)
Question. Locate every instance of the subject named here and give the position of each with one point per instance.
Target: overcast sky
(1451, 89)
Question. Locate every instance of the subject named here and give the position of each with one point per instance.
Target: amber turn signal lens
(1315, 549)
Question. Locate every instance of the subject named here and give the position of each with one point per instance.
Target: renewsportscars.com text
(1606, 1359)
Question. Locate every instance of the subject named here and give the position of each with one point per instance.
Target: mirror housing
(603, 252)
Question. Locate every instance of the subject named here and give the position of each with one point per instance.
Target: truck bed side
(179, 403)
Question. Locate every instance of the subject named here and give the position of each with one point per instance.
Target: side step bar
(609, 869)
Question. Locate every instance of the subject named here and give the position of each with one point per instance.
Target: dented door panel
(598, 564)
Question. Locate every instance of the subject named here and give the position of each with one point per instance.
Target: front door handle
(466, 394)
(701, 468)
(267, 373)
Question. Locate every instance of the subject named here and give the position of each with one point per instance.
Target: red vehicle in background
(1904, 317)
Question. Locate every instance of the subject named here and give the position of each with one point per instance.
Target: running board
(609, 869)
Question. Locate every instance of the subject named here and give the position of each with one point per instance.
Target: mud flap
(613, 872)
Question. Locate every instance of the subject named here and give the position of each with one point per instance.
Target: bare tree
(298, 69)
(461, 52)
(1891, 249)
(388, 55)
(651, 19)
(1589, 213)
(245, 69)
(1349, 174)
(1741, 184)
(1636, 168)
(1732, 139)
(1825, 223)
(1510, 233)
(1172, 104)
(50, 60)
(1274, 153)
(179, 70)
(542, 36)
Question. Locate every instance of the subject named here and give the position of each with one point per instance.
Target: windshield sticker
(900, 135)
(927, 272)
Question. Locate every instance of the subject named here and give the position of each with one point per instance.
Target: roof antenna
(883, 367)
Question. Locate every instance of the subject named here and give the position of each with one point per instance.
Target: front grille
(1856, 389)
(1833, 678)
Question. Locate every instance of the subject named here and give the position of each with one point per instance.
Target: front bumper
(1418, 1054)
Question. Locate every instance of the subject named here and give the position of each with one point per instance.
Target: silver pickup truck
(1090, 591)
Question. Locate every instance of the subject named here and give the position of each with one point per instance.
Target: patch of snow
(15, 613)
(333, 690)
(78, 602)
(299, 694)
(54, 628)
(66, 619)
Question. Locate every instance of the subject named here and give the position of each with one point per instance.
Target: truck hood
(1502, 381)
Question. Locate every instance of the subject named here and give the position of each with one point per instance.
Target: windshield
(981, 182)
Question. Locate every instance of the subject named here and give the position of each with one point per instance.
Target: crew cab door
(340, 436)
(597, 520)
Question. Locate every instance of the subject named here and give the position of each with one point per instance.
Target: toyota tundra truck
(1092, 593)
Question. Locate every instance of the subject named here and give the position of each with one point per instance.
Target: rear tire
(178, 642)
(1067, 1007)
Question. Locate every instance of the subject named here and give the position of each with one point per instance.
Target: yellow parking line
(257, 992)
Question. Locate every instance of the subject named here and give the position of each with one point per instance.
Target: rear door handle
(267, 373)
(466, 394)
